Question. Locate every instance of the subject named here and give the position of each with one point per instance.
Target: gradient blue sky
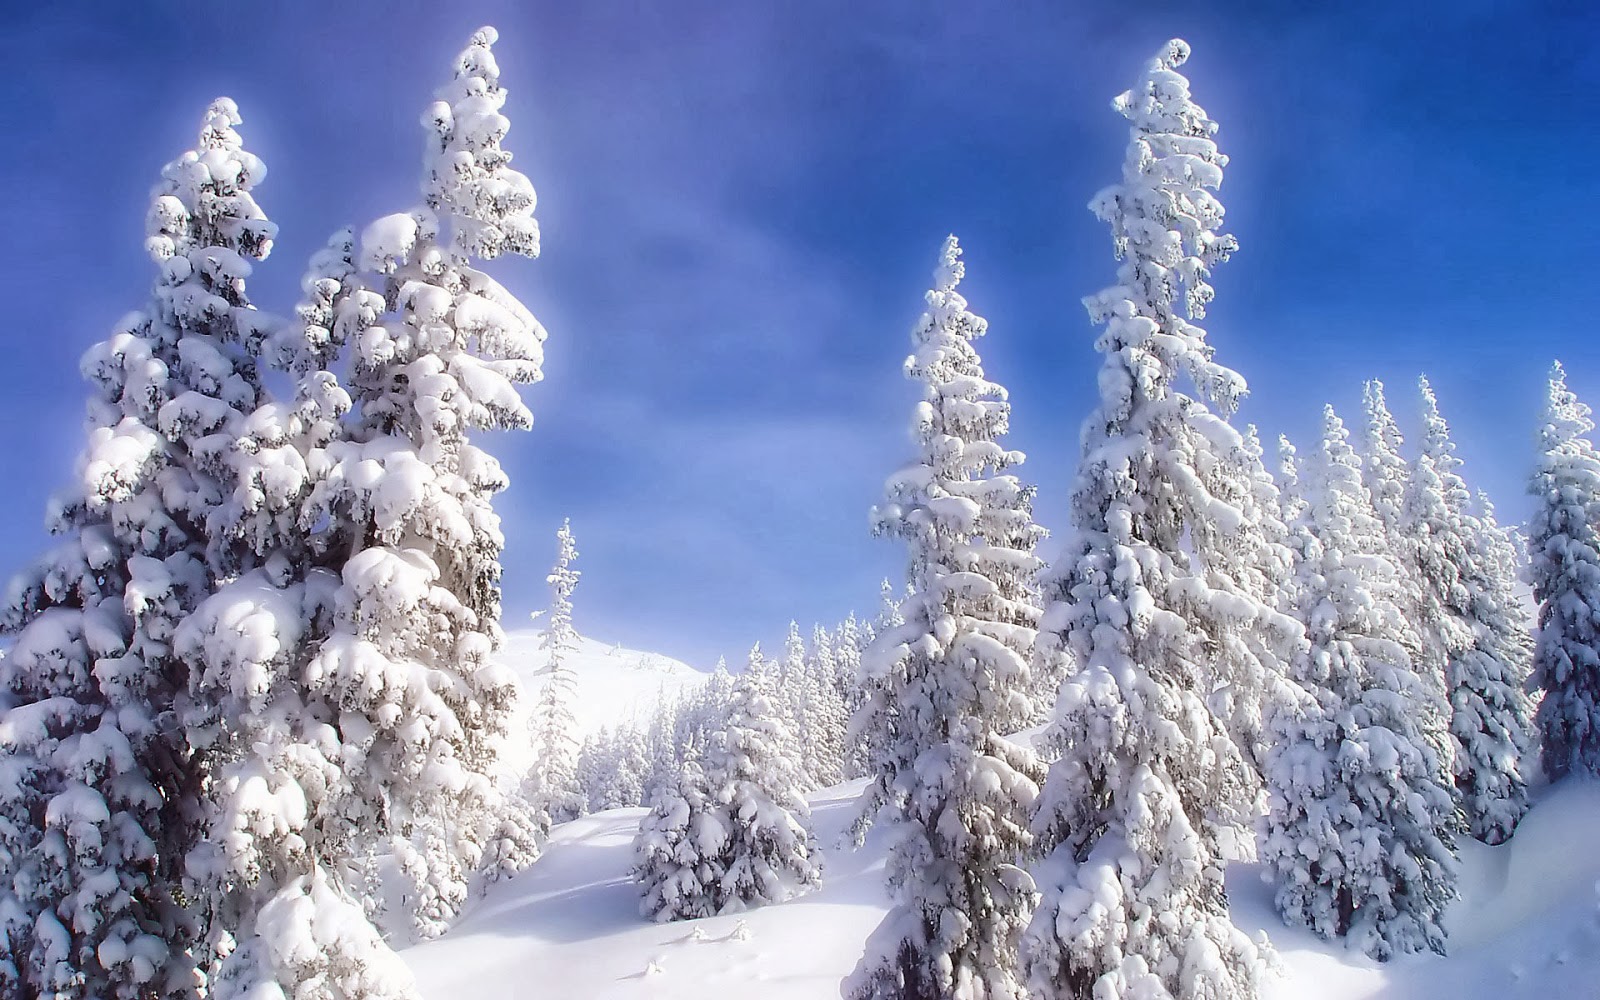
(741, 206)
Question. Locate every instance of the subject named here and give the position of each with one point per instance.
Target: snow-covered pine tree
(703, 713)
(950, 682)
(363, 711)
(829, 717)
(1358, 835)
(795, 699)
(1384, 470)
(1293, 512)
(1148, 610)
(555, 794)
(680, 850)
(1252, 662)
(872, 726)
(98, 786)
(848, 640)
(1564, 569)
(770, 852)
(1487, 650)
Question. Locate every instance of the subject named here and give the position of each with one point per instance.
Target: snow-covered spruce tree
(770, 852)
(847, 642)
(1294, 512)
(1149, 609)
(363, 706)
(1358, 835)
(1487, 650)
(1384, 470)
(794, 696)
(732, 829)
(554, 792)
(98, 787)
(872, 726)
(1564, 569)
(702, 713)
(828, 717)
(952, 680)
(680, 850)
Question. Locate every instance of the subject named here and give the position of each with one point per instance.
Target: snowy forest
(259, 738)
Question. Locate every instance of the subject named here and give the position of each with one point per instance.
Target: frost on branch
(946, 685)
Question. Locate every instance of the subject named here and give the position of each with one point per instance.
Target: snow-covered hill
(613, 685)
(1527, 927)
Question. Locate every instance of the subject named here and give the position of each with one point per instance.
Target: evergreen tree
(98, 785)
(1487, 649)
(555, 794)
(769, 852)
(1564, 569)
(949, 682)
(849, 639)
(362, 708)
(1431, 633)
(1358, 833)
(1384, 470)
(1149, 610)
(731, 831)
(680, 850)
(871, 727)
(828, 714)
(795, 694)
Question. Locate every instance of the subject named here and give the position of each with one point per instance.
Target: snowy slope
(1528, 926)
(613, 685)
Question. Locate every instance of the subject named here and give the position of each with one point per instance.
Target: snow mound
(1527, 927)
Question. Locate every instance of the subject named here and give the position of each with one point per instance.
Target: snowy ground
(1528, 926)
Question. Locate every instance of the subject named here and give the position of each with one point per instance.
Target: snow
(571, 924)
(1528, 925)
(612, 685)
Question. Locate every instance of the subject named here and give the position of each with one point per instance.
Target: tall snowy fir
(948, 684)
(1149, 611)
(363, 708)
(1431, 633)
(1358, 832)
(1564, 569)
(1487, 649)
(554, 793)
(98, 787)
(1384, 470)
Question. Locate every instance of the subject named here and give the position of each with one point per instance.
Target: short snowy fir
(97, 783)
(552, 788)
(1358, 832)
(944, 686)
(1564, 568)
(733, 830)
(1486, 647)
(1151, 607)
(359, 709)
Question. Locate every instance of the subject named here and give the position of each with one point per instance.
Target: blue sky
(741, 207)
